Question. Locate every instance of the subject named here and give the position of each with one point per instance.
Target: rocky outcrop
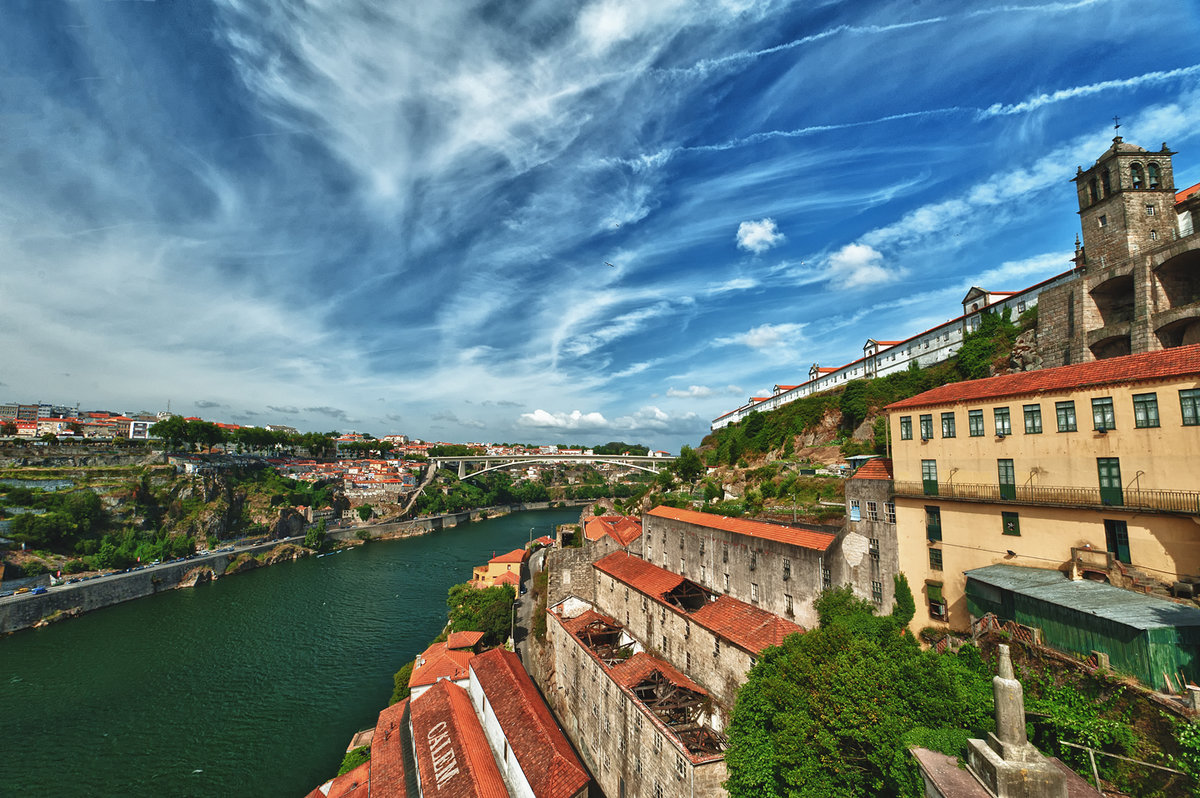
(284, 553)
(59, 615)
(244, 562)
(1025, 355)
(196, 576)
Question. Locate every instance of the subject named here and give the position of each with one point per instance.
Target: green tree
(688, 465)
(833, 711)
(365, 512)
(314, 538)
(354, 758)
(488, 610)
(400, 689)
(172, 430)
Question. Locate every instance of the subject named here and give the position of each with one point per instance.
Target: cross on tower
(1116, 123)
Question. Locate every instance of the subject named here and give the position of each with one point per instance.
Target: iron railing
(1170, 501)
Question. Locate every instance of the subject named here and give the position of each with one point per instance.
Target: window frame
(872, 511)
(926, 421)
(1033, 419)
(975, 423)
(1003, 421)
(936, 563)
(1064, 414)
(1010, 523)
(948, 430)
(933, 522)
(1103, 414)
(906, 428)
(1189, 406)
(1145, 410)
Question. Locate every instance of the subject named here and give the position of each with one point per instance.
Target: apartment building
(1090, 469)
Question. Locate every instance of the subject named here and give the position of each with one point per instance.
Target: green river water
(252, 685)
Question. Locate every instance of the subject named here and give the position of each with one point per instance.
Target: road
(525, 606)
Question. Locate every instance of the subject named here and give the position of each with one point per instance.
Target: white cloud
(1033, 103)
(702, 392)
(651, 419)
(575, 420)
(765, 336)
(857, 265)
(758, 237)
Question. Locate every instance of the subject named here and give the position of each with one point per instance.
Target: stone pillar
(1010, 710)
(462, 469)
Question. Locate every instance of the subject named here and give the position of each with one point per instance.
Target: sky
(536, 220)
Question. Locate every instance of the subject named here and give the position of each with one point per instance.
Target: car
(39, 590)
(6, 594)
(21, 590)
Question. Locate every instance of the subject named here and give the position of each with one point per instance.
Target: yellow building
(1091, 469)
(502, 570)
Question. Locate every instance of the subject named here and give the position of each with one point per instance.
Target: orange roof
(745, 625)
(639, 574)
(1182, 361)
(1187, 193)
(805, 538)
(507, 578)
(827, 370)
(453, 756)
(875, 468)
(463, 640)
(546, 758)
(387, 752)
(438, 663)
(618, 527)
(516, 555)
(635, 670)
(545, 540)
(352, 784)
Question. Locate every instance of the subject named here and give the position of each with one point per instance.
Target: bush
(354, 758)
(400, 683)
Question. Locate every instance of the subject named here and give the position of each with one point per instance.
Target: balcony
(1166, 501)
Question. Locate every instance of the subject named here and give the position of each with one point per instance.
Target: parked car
(39, 590)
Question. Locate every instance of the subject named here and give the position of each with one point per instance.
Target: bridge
(495, 462)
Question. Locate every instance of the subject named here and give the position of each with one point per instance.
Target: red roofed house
(452, 753)
(533, 753)
(608, 533)
(439, 663)
(778, 568)
(1090, 469)
(511, 563)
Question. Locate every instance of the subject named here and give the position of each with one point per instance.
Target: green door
(1110, 480)
(929, 477)
(1008, 479)
(1116, 538)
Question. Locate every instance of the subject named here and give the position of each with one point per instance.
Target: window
(933, 523)
(929, 477)
(1021, 306)
(1008, 479)
(1152, 173)
(1105, 183)
(906, 428)
(1066, 416)
(1102, 413)
(679, 766)
(726, 583)
(1102, 221)
(854, 510)
(877, 592)
(948, 425)
(716, 646)
(681, 541)
(874, 548)
(975, 423)
(1189, 405)
(753, 559)
(787, 569)
(754, 592)
(890, 508)
(935, 559)
(787, 604)
(937, 604)
(1149, 210)
(703, 574)
(1153, 235)
(872, 511)
(681, 565)
(926, 426)
(701, 545)
(1003, 422)
(826, 578)
(1010, 523)
(724, 552)
(687, 660)
(1033, 419)
(1135, 176)
(1145, 410)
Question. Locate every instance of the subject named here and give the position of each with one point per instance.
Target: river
(252, 685)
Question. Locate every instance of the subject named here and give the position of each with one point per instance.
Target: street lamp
(531, 537)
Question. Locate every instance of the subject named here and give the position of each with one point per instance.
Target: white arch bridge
(495, 462)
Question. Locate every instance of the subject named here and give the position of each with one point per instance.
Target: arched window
(1135, 175)
(1152, 173)
(1104, 183)
(1092, 193)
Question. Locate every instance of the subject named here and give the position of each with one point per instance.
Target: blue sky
(537, 220)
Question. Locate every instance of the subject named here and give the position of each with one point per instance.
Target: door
(929, 477)
(1008, 479)
(1116, 538)
(1110, 481)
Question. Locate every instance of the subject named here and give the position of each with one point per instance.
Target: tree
(314, 538)
(833, 711)
(488, 610)
(400, 689)
(688, 465)
(365, 512)
(8, 428)
(172, 430)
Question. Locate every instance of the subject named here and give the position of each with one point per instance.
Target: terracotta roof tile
(463, 640)
(516, 555)
(387, 752)
(620, 528)
(805, 538)
(507, 578)
(453, 755)
(1182, 361)
(538, 744)
(876, 468)
(635, 670)
(439, 663)
(639, 574)
(750, 627)
(1187, 193)
(579, 622)
(352, 784)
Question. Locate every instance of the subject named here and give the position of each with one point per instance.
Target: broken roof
(804, 538)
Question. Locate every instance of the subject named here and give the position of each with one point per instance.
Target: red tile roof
(805, 538)
(387, 752)
(742, 624)
(538, 744)
(579, 622)
(507, 578)
(1187, 193)
(545, 540)
(463, 639)
(749, 627)
(453, 756)
(620, 528)
(638, 668)
(516, 555)
(437, 663)
(876, 468)
(1182, 361)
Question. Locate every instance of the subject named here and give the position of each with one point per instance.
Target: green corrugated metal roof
(1094, 598)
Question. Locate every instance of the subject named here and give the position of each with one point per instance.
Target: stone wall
(866, 568)
(22, 612)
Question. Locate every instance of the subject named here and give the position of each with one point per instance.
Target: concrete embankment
(423, 526)
(22, 612)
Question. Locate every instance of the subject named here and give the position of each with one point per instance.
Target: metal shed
(1143, 636)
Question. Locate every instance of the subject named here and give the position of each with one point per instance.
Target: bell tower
(1126, 204)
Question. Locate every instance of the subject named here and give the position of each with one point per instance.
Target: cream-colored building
(1091, 469)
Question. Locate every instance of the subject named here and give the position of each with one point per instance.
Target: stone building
(643, 727)
(870, 557)
(1136, 285)
(778, 568)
